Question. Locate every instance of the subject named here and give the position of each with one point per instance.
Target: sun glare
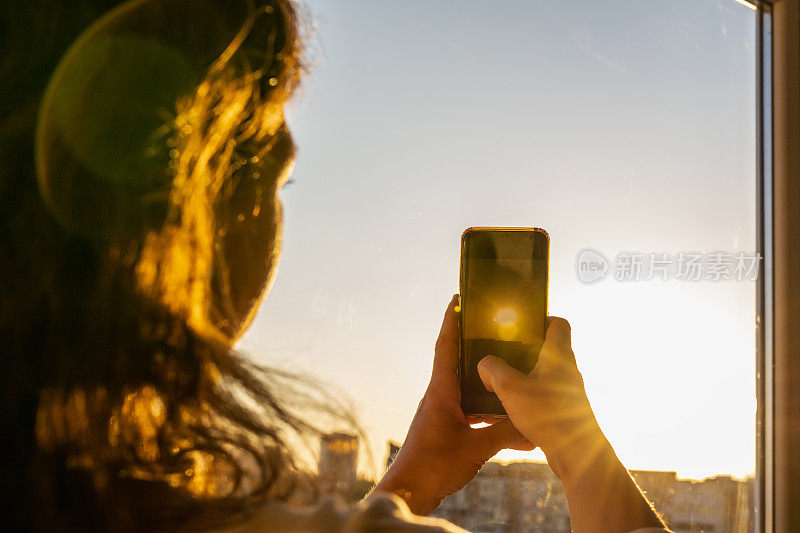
(745, 3)
(505, 317)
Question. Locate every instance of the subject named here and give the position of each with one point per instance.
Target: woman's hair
(123, 405)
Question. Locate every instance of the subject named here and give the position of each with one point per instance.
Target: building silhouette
(393, 449)
(523, 496)
(338, 460)
(528, 497)
(720, 503)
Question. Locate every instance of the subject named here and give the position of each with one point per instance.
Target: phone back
(503, 287)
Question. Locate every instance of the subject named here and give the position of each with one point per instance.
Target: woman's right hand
(548, 406)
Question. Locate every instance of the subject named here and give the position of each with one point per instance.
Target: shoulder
(381, 513)
(387, 512)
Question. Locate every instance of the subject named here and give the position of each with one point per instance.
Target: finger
(501, 435)
(524, 446)
(498, 377)
(557, 347)
(558, 332)
(477, 419)
(486, 420)
(445, 359)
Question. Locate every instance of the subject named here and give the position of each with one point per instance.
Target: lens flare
(505, 317)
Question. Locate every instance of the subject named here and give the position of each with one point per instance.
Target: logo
(592, 266)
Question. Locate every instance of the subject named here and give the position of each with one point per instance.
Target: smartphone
(503, 288)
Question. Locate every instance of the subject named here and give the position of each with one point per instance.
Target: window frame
(778, 287)
(764, 497)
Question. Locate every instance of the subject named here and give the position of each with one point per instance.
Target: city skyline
(521, 497)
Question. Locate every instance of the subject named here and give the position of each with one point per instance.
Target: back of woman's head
(141, 149)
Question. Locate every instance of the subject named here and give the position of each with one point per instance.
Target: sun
(505, 317)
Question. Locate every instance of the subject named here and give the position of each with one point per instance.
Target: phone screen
(503, 306)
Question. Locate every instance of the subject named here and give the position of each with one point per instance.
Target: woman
(143, 147)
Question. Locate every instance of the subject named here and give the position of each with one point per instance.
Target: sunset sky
(619, 126)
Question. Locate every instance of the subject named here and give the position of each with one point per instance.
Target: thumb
(502, 435)
(498, 377)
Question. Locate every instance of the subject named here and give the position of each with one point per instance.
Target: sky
(618, 126)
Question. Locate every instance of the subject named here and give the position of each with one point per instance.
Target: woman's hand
(548, 406)
(441, 452)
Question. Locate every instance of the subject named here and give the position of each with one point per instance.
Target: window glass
(624, 129)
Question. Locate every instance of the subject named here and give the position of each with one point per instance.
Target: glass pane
(621, 127)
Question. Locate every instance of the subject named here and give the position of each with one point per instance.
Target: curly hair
(124, 404)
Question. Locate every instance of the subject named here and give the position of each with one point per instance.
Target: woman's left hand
(441, 452)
